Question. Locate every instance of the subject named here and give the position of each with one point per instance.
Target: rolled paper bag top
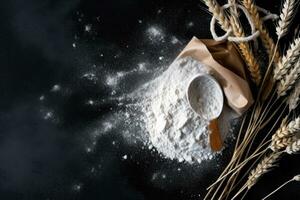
(225, 64)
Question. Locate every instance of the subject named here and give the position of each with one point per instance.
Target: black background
(44, 160)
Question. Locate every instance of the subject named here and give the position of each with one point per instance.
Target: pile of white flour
(174, 129)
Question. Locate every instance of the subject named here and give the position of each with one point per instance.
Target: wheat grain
(282, 143)
(264, 34)
(288, 81)
(286, 16)
(287, 129)
(263, 167)
(218, 13)
(288, 59)
(293, 99)
(293, 147)
(297, 177)
(285, 135)
(294, 126)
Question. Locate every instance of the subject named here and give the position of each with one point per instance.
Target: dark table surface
(45, 135)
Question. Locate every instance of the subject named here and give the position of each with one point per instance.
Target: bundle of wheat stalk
(270, 129)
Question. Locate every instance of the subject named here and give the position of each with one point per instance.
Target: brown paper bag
(226, 65)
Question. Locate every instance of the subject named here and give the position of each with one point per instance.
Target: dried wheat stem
(293, 99)
(288, 81)
(287, 61)
(295, 178)
(264, 34)
(286, 16)
(263, 167)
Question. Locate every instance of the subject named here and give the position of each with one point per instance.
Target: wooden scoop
(202, 92)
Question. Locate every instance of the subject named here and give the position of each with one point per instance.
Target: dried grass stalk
(287, 13)
(287, 61)
(263, 167)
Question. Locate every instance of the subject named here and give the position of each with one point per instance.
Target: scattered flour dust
(173, 127)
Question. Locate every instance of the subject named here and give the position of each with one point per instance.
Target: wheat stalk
(263, 167)
(293, 99)
(264, 34)
(287, 82)
(295, 178)
(288, 59)
(286, 16)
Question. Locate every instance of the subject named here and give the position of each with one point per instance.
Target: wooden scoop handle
(215, 137)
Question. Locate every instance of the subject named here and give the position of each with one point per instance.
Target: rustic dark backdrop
(41, 159)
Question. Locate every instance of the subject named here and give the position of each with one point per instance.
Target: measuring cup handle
(215, 137)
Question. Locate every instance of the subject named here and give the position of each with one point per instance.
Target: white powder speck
(74, 45)
(142, 66)
(42, 98)
(174, 40)
(90, 102)
(56, 88)
(77, 187)
(48, 115)
(88, 150)
(124, 157)
(88, 28)
(190, 24)
(90, 76)
(140, 21)
(111, 80)
(155, 34)
(107, 126)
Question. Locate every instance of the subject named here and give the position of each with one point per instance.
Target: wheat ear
(291, 56)
(246, 52)
(286, 16)
(293, 99)
(288, 81)
(263, 167)
(264, 34)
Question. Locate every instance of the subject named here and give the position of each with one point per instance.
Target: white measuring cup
(205, 97)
